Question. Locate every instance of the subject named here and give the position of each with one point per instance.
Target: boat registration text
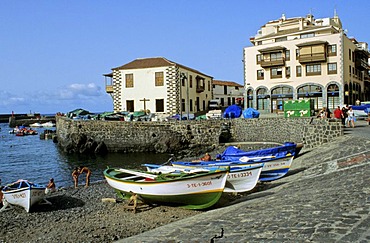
(199, 184)
(238, 175)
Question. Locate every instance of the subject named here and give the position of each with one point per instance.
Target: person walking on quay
(344, 115)
(75, 174)
(351, 118)
(86, 170)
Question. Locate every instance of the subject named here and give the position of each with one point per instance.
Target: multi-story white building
(160, 86)
(304, 57)
(229, 93)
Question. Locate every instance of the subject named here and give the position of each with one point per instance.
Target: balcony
(272, 63)
(312, 57)
(109, 89)
(362, 64)
(200, 89)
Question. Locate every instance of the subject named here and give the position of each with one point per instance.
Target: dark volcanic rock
(171, 144)
(101, 148)
(80, 143)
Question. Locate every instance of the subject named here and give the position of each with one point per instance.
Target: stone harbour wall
(310, 131)
(174, 136)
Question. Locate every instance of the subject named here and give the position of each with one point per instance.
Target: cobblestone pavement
(324, 198)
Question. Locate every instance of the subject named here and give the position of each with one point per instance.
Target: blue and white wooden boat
(22, 193)
(277, 160)
(239, 179)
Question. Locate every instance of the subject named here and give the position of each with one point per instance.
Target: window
(313, 69)
(297, 53)
(182, 104)
(349, 54)
(259, 43)
(276, 73)
(275, 56)
(159, 79)
(260, 74)
(159, 105)
(303, 36)
(191, 104)
(353, 56)
(287, 72)
(129, 80)
(130, 105)
(332, 50)
(287, 55)
(299, 71)
(209, 85)
(191, 81)
(259, 58)
(350, 70)
(281, 39)
(332, 68)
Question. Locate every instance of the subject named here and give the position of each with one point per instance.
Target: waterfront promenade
(324, 198)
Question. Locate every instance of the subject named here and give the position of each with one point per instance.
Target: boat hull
(243, 179)
(194, 192)
(275, 169)
(25, 197)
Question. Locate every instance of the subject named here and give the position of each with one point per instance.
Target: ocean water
(37, 160)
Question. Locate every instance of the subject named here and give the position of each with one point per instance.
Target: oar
(246, 159)
(138, 173)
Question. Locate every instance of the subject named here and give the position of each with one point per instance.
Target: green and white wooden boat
(188, 190)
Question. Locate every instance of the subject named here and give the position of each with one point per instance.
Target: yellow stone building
(305, 58)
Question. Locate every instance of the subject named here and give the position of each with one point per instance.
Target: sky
(53, 54)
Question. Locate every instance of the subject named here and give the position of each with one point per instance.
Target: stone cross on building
(145, 100)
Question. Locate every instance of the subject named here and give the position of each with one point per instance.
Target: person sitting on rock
(50, 187)
(206, 157)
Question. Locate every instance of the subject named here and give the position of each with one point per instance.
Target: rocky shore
(80, 215)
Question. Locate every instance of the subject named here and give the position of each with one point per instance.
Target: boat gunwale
(185, 176)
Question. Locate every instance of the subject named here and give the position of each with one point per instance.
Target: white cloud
(76, 95)
(8, 99)
(79, 91)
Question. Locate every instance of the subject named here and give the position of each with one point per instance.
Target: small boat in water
(23, 193)
(239, 179)
(36, 124)
(48, 124)
(188, 190)
(25, 131)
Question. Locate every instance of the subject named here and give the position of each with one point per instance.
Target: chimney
(301, 24)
